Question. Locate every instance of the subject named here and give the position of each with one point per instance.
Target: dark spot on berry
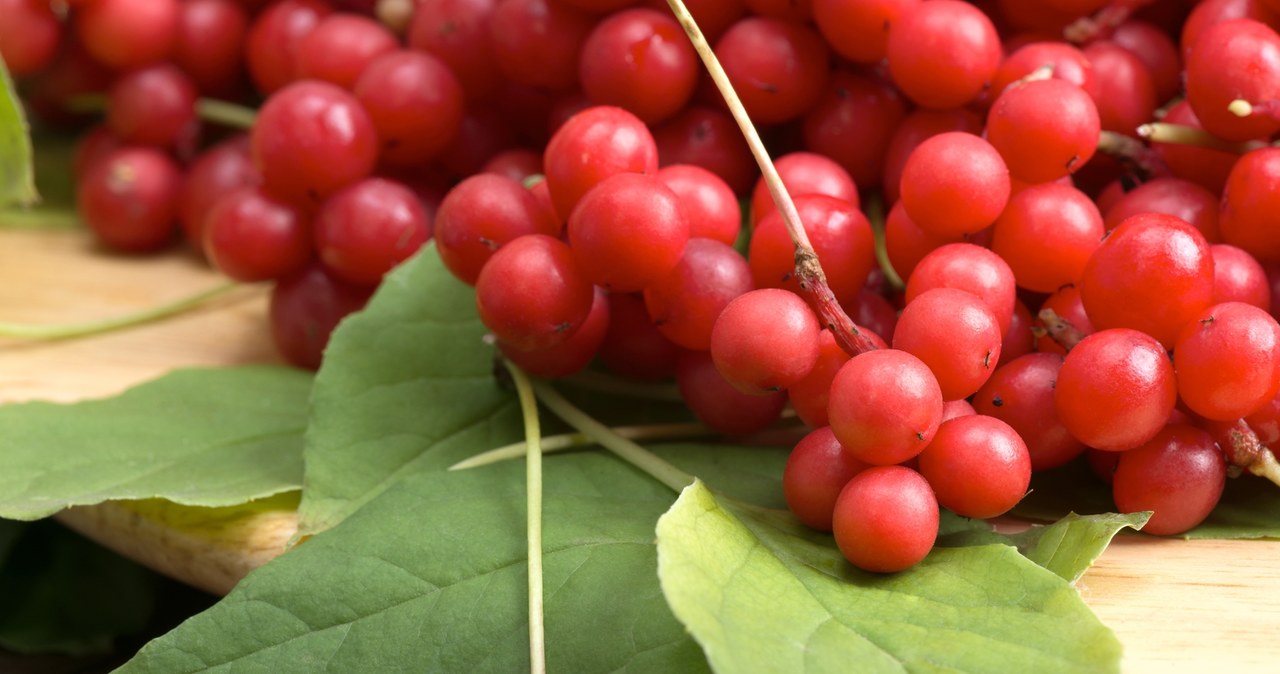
(997, 401)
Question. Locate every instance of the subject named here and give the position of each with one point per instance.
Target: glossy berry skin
(1173, 282)
(817, 470)
(854, 122)
(304, 309)
(1115, 389)
(1230, 60)
(210, 44)
(571, 355)
(251, 236)
(1228, 361)
(859, 31)
(918, 126)
(124, 34)
(1020, 393)
(340, 47)
(886, 519)
(765, 340)
(810, 396)
(531, 295)
(885, 405)
(29, 36)
(954, 183)
(709, 138)
(311, 139)
(1175, 196)
(537, 42)
(1239, 277)
(481, 214)
(708, 203)
(1046, 234)
(1068, 63)
(639, 59)
(977, 465)
(956, 334)
(271, 45)
(414, 102)
(686, 302)
(718, 403)
(628, 231)
(969, 267)
(1205, 166)
(1248, 198)
(154, 105)
(840, 234)
(1123, 89)
(943, 53)
(778, 68)
(1044, 129)
(594, 144)
(216, 171)
(364, 230)
(1179, 475)
(129, 199)
(804, 173)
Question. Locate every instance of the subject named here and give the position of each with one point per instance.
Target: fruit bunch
(1076, 262)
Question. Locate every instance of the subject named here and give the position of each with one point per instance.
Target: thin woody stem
(808, 271)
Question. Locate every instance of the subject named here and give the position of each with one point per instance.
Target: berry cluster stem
(625, 449)
(1247, 451)
(68, 331)
(808, 270)
(533, 491)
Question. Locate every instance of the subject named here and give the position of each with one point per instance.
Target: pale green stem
(69, 330)
(564, 441)
(231, 115)
(1181, 134)
(533, 488)
(876, 216)
(225, 114)
(625, 449)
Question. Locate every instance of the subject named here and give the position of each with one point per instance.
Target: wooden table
(1178, 606)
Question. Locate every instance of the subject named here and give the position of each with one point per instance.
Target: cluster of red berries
(574, 164)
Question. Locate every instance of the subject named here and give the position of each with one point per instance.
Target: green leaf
(61, 593)
(212, 437)
(406, 386)
(17, 179)
(429, 576)
(1067, 547)
(1250, 505)
(763, 595)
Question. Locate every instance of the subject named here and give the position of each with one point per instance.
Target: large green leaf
(210, 437)
(17, 180)
(763, 595)
(1067, 547)
(407, 385)
(430, 576)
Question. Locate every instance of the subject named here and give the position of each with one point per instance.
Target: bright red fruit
(885, 406)
(765, 340)
(886, 519)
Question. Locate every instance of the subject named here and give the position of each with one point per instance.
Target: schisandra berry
(765, 340)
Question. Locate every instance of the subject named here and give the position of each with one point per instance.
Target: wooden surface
(1177, 606)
